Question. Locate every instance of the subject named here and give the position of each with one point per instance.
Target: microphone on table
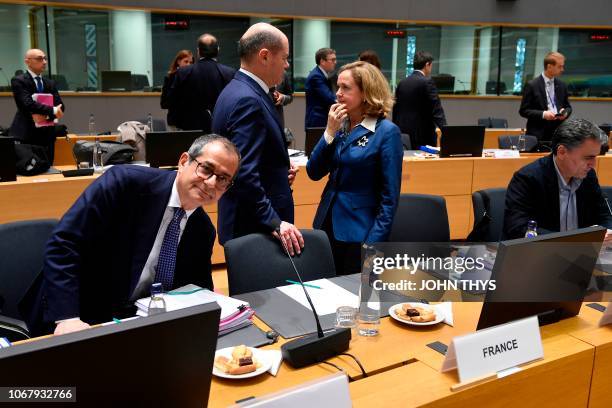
(315, 347)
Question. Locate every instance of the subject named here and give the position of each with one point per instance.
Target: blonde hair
(378, 100)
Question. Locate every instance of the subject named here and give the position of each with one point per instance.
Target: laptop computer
(313, 135)
(462, 141)
(8, 160)
(164, 148)
(161, 360)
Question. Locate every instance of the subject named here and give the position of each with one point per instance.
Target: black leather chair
(499, 123)
(139, 82)
(507, 141)
(420, 218)
(22, 247)
(258, 261)
(489, 206)
(406, 141)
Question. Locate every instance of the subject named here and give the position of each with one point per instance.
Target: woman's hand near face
(337, 114)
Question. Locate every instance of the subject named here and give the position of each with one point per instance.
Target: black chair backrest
(313, 135)
(22, 248)
(493, 122)
(406, 141)
(507, 141)
(258, 261)
(420, 218)
(139, 82)
(489, 206)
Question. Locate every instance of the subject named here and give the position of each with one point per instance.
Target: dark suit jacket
(319, 98)
(96, 254)
(194, 92)
(23, 127)
(417, 110)
(535, 102)
(364, 182)
(245, 114)
(164, 101)
(533, 194)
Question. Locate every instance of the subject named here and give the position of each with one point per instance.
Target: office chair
(497, 123)
(420, 218)
(507, 141)
(22, 247)
(406, 141)
(489, 205)
(139, 82)
(258, 261)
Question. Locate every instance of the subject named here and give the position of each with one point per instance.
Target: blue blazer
(96, 254)
(364, 182)
(244, 113)
(319, 97)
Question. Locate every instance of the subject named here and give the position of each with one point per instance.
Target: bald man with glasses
(29, 112)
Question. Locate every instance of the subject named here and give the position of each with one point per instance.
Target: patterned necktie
(167, 254)
(39, 85)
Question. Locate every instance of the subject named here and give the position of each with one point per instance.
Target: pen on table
(308, 285)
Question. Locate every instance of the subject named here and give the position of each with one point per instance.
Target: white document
(494, 349)
(607, 316)
(326, 299)
(199, 296)
(506, 154)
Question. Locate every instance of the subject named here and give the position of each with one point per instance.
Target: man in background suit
(245, 114)
(560, 191)
(319, 94)
(418, 110)
(195, 89)
(25, 85)
(545, 101)
(131, 227)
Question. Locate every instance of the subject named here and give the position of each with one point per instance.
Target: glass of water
(522, 145)
(368, 324)
(346, 317)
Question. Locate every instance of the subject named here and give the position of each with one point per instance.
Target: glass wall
(122, 50)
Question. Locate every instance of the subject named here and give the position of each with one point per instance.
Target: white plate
(262, 358)
(439, 316)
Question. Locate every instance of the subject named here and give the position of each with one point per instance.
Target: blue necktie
(167, 254)
(39, 85)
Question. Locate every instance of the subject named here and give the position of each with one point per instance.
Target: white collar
(418, 70)
(323, 71)
(175, 200)
(255, 78)
(547, 79)
(34, 75)
(369, 122)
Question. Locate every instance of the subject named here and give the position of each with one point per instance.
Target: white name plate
(506, 154)
(607, 316)
(494, 349)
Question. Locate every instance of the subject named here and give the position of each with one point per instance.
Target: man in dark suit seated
(560, 191)
(318, 86)
(545, 101)
(196, 87)
(418, 110)
(29, 111)
(245, 114)
(131, 227)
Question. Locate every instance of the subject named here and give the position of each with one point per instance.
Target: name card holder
(493, 352)
(607, 316)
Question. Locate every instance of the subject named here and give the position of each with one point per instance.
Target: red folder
(45, 99)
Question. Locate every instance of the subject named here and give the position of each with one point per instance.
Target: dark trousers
(347, 255)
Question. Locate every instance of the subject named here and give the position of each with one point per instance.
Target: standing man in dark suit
(545, 101)
(246, 115)
(131, 227)
(29, 111)
(196, 87)
(418, 110)
(560, 191)
(319, 94)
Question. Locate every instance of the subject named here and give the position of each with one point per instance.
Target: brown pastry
(242, 362)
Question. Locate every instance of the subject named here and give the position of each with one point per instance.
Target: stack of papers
(235, 314)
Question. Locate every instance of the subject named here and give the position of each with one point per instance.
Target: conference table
(402, 371)
(50, 195)
(491, 138)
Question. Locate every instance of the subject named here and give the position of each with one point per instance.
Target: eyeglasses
(38, 58)
(205, 172)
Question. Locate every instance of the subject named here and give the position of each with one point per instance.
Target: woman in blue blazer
(362, 153)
